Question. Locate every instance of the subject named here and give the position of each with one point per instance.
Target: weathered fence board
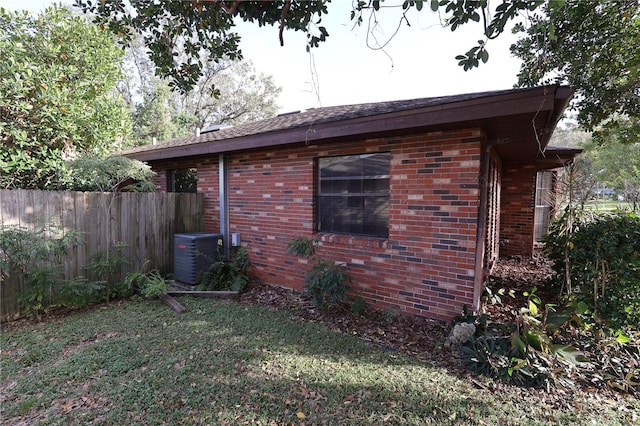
(143, 222)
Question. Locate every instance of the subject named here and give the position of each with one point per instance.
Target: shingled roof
(345, 121)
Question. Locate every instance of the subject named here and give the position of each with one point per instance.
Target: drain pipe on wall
(223, 181)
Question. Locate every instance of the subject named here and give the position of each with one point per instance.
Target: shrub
(35, 259)
(357, 306)
(104, 267)
(549, 346)
(326, 282)
(149, 284)
(227, 275)
(524, 352)
(601, 254)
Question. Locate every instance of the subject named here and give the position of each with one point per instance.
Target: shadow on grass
(223, 363)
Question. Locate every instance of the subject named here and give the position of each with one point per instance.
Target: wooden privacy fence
(142, 223)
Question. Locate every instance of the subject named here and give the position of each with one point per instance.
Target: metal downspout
(481, 232)
(223, 181)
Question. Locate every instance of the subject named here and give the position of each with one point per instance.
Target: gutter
(223, 182)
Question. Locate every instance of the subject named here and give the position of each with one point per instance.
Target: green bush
(601, 254)
(525, 352)
(326, 282)
(225, 275)
(104, 267)
(149, 284)
(547, 345)
(35, 260)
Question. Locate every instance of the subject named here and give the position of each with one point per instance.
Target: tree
(207, 25)
(110, 174)
(616, 165)
(229, 92)
(57, 77)
(589, 45)
(194, 27)
(593, 47)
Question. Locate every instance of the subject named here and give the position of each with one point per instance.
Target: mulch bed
(421, 338)
(425, 339)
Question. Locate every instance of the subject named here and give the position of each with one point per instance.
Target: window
(544, 203)
(353, 194)
(182, 180)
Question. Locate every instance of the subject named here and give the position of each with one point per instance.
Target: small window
(353, 194)
(183, 180)
(544, 203)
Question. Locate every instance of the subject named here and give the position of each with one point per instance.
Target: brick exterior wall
(426, 265)
(517, 210)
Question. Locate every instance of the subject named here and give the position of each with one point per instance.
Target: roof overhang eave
(486, 112)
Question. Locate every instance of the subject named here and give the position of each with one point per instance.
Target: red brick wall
(425, 267)
(207, 174)
(517, 209)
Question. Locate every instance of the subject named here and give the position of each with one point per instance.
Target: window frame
(171, 180)
(374, 226)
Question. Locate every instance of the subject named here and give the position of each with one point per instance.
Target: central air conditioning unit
(193, 254)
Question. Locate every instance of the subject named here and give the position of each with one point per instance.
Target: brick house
(414, 196)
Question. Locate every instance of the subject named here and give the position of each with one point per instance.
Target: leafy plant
(110, 174)
(227, 275)
(326, 282)
(58, 109)
(602, 257)
(35, 256)
(104, 265)
(358, 306)
(495, 297)
(523, 352)
(302, 247)
(149, 284)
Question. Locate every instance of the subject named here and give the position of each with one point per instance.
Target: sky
(418, 62)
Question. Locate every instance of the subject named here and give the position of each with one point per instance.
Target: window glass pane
(355, 186)
(376, 185)
(184, 180)
(353, 194)
(376, 165)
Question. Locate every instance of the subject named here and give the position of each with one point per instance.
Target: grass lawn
(138, 362)
(607, 205)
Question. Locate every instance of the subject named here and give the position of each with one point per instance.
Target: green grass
(137, 362)
(607, 205)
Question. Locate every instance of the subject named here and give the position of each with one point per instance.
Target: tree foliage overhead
(208, 25)
(200, 25)
(57, 98)
(589, 45)
(110, 174)
(592, 47)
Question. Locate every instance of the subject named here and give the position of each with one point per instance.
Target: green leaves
(56, 92)
(105, 174)
(604, 265)
(592, 49)
(326, 281)
(200, 27)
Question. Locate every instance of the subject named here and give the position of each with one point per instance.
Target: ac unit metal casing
(193, 254)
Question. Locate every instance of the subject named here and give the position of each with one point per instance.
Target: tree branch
(230, 10)
(285, 9)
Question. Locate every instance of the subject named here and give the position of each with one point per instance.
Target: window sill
(353, 240)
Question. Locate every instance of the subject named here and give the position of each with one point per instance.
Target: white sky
(418, 62)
